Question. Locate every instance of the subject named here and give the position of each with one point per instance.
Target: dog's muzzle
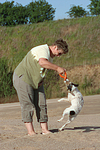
(69, 87)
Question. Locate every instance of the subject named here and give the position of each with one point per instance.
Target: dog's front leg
(63, 99)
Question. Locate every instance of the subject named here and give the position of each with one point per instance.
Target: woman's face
(57, 52)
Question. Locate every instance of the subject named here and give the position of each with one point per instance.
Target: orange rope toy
(65, 77)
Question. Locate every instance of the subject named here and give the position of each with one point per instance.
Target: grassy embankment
(82, 62)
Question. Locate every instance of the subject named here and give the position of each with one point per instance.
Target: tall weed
(6, 85)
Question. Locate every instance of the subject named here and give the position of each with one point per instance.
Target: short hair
(61, 44)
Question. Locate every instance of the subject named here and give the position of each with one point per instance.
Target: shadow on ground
(84, 128)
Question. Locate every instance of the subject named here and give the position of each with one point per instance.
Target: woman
(28, 82)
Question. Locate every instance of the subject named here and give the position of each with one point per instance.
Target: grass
(81, 34)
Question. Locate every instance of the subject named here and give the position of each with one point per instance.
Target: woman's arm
(48, 65)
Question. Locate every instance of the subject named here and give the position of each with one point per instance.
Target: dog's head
(71, 86)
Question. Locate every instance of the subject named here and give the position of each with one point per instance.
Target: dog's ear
(76, 85)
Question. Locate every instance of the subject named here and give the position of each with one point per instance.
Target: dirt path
(81, 134)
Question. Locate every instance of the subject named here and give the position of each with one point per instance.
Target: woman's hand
(61, 70)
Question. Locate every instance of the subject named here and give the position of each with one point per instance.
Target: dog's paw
(60, 129)
(60, 99)
(60, 119)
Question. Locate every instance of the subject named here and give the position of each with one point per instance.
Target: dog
(76, 99)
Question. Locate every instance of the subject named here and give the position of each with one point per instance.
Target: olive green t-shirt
(29, 67)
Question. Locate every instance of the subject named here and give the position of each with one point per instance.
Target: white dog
(76, 100)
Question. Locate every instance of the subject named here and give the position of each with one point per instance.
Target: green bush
(6, 85)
